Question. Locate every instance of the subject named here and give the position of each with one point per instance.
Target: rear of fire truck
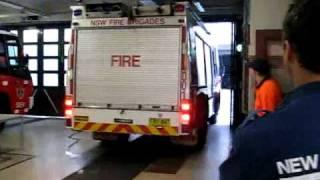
(134, 72)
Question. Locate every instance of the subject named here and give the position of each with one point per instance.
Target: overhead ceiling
(59, 10)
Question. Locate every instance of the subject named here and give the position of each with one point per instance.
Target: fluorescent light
(11, 5)
(199, 6)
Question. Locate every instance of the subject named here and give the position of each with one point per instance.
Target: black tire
(202, 139)
(202, 131)
(2, 125)
(213, 119)
(216, 105)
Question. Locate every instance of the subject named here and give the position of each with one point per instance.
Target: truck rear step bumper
(126, 129)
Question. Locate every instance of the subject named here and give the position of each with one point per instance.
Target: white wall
(265, 14)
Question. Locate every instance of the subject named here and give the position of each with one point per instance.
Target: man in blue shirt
(286, 144)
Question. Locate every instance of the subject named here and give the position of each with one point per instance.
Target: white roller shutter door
(154, 80)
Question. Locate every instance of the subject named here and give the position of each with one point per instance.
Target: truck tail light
(185, 105)
(179, 8)
(68, 111)
(68, 102)
(185, 116)
(185, 119)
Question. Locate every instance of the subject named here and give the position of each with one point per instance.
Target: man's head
(261, 68)
(302, 38)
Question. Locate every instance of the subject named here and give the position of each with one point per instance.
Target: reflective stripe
(137, 130)
(126, 128)
(95, 127)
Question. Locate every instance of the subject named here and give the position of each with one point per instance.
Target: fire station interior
(37, 145)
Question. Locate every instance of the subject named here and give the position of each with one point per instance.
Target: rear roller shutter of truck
(128, 67)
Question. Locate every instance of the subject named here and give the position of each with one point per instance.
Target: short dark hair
(262, 66)
(302, 30)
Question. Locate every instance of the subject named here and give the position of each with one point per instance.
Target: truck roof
(2, 32)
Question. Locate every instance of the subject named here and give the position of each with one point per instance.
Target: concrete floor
(45, 156)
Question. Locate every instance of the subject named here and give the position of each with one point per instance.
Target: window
(67, 39)
(50, 79)
(34, 77)
(13, 62)
(66, 64)
(13, 51)
(50, 50)
(51, 35)
(66, 49)
(31, 50)
(65, 79)
(30, 36)
(12, 47)
(200, 62)
(46, 51)
(67, 35)
(207, 53)
(50, 64)
(33, 64)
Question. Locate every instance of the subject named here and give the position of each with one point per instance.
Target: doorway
(227, 38)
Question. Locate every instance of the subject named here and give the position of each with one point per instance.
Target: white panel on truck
(128, 66)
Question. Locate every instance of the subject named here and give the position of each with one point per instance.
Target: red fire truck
(15, 81)
(148, 70)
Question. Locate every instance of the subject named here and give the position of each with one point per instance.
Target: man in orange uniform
(268, 90)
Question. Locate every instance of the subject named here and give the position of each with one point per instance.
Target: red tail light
(68, 102)
(179, 8)
(185, 105)
(68, 112)
(185, 119)
(185, 112)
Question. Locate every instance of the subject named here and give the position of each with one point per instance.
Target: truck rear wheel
(196, 140)
(216, 105)
(2, 125)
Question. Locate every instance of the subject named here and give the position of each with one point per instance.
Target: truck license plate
(159, 122)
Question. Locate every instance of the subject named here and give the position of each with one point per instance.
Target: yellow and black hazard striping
(125, 129)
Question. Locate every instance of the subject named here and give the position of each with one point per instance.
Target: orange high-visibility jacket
(268, 95)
